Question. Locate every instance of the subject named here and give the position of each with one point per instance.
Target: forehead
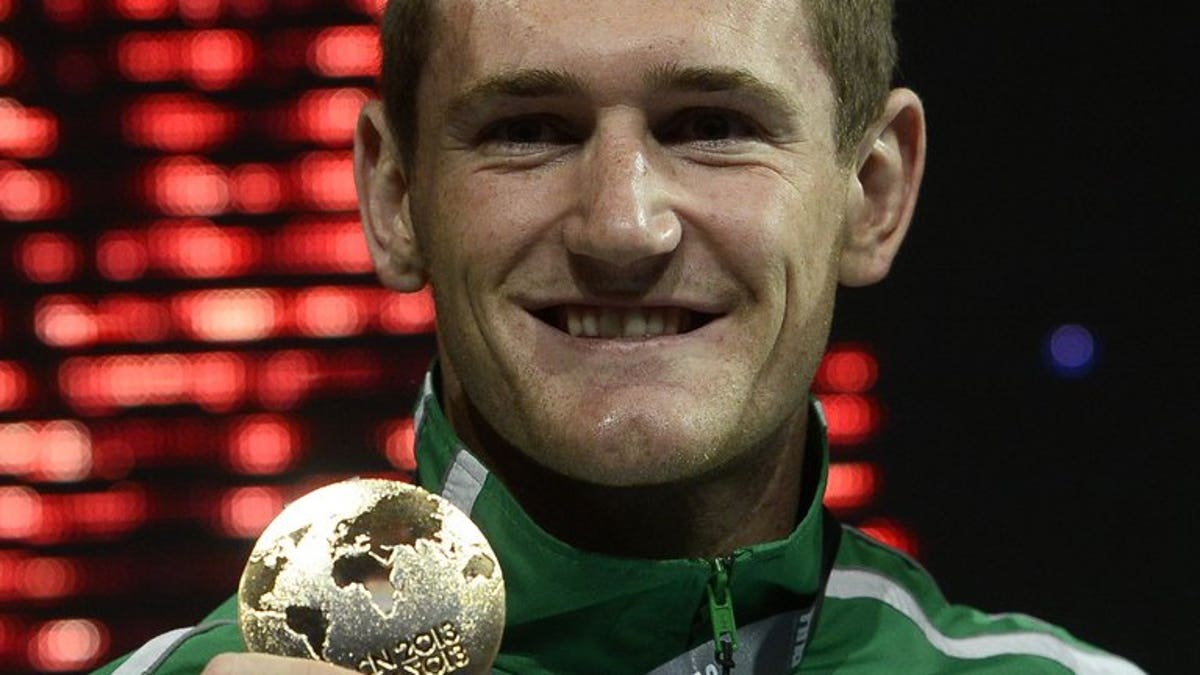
(605, 40)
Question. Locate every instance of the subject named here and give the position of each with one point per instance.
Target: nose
(626, 210)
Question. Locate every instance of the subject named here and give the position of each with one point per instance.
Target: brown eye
(712, 127)
(708, 126)
(531, 130)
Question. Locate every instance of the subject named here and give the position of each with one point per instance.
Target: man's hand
(267, 664)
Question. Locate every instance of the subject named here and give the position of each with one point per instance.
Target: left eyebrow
(527, 83)
(736, 81)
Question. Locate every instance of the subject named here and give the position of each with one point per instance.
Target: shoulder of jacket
(874, 584)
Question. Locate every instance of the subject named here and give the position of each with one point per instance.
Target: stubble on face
(759, 238)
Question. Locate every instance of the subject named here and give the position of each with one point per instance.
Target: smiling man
(634, 215)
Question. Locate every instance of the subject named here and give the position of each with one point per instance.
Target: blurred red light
(851, 485)
(176, 123)
(25, 132)
(14, 390)
(19, 441)
(65, 452)
(408, 312)
(67, 644)
(324, 245)
(43, 578)
(30, 195)
(49, 257)
(228, 315)
(399, 440)
(22, 509)
(329, 116)
(128, 318)
(121, 256)
(10, 63)
(246, 511)
(65, 321)
(142, 10)
(345, 51)
(330, 312)
(256, 188)
(67, 11)
(107, 514)
(148, 57)
(201, 11)
(263, 444)
(325, 181)
(6, 7)
(847, 371)
(187, 186)
(218, 381)
(893, 534)
(199, 249)
(218, 58)
(286, 379)
(851, 418)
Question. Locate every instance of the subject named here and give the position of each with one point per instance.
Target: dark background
(1060, 188)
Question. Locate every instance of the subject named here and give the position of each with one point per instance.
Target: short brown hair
(854, 41)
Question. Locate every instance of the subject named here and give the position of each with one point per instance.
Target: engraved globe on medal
(378, 576)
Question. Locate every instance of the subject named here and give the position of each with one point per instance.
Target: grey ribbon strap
(768, 647)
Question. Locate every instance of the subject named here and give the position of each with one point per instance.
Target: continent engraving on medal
(437, 651)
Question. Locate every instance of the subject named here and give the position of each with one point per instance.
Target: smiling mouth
(626, 323)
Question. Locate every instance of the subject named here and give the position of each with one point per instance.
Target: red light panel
(851, 418)
(22, 509)
(48, 257)
(328, 116)
(47, 578)
(217, 59)
(24, 132)
(245, 512)
(10, 63)
(187, 186)
(148, 57)
(371, 7)
(177, 123)
(200, 249)
(64, 452)
(263, 445)
(104, 515)
(228, 315)
(256, 188)
(408, 312)
(91, 385)
(30, 194)
(331, 312)
(205, 11)
(67, 644)
(19, 441)
(893, 534)
(323, 246)
(6, 9)
(399, 440)
(121, 255)
(325, 181)
(287, 378)
(64, 321)
(142, 10)
(67, 11)
(847, 371)
(345, 51)
(851, 485)
(14, 390)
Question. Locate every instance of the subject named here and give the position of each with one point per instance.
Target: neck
(754, 501)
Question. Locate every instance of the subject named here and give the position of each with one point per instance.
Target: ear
(383, 203)
(883, 191)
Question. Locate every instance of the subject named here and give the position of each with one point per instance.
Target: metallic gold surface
(377, 576)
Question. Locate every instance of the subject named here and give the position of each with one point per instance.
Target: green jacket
(826, 599)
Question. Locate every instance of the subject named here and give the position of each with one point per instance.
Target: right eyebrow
(527, 83)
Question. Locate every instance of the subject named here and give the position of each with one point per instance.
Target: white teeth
(634, 324)
(610, 323)
(629, 323)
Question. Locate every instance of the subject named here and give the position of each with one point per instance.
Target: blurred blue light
(1072, 350)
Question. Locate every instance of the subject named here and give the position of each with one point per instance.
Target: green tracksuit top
(824, 600)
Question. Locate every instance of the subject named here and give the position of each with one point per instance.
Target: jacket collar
(569, 606)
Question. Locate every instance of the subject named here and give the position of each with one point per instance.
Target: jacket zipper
(720, 610)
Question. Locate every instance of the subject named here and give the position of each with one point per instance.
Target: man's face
(630, 211)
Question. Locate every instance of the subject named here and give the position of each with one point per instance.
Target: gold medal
(378, 576)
